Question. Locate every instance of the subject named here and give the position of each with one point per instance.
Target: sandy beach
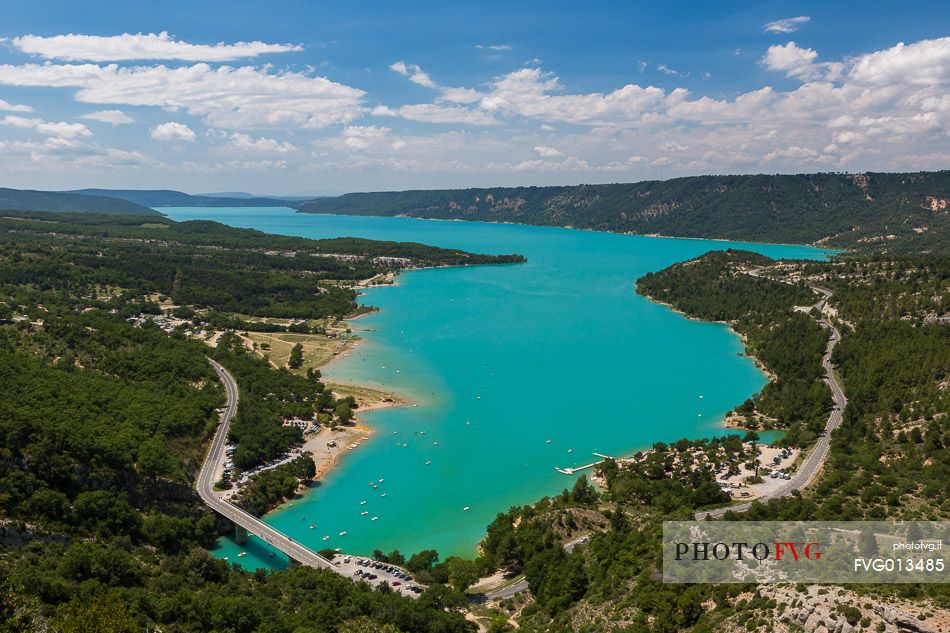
(328, 445)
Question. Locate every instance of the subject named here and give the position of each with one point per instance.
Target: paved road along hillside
(205, 484)
(346, 566)
(816, 458)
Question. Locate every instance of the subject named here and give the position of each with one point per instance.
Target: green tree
(423, 560)
(296, 356)
(344, 413)
(104, 614)
(462, 573)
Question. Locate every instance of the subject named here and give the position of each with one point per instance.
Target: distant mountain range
(171, 198)
(245, 195)
(869, 211)
(872, 211)
(29, 200)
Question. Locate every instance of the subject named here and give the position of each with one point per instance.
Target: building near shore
(303, 425)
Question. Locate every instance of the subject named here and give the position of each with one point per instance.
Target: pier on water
(577, 469)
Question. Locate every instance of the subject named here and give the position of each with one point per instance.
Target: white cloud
(113, 117)
(530, 92)
(847, 114)
(60, 129)
(434, 113)
(794, 152)
(459, 95)
(666, 70)
(788, 25)
(789, 58)
(925, 63)
(800, 63)
(360, 137)
(415, 74)
(446, 94)
(546, 152)
(246, 142)
(12, 107)
(571, 163)
(66, 156)
(172, 131)
(126, 47)
(494, 47)
(236, 166)
(227, 97)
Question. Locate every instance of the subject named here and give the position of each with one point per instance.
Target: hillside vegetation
(206, 264)
(171, 198)
(873, 211)
(27, 200)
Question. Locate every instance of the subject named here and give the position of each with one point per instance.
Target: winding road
(816, 458)
(254, 526)
(346, 566)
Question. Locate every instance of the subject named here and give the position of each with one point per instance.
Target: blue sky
(316, 97)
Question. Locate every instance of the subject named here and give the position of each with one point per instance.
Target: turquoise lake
(500, 360)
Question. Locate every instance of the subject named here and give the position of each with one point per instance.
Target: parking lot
(376, 573)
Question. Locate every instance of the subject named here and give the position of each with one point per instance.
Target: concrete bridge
(245, 523)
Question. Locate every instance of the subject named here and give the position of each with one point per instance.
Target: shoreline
(745, 348)
(729, 420)
(328, 446)
(575, 228)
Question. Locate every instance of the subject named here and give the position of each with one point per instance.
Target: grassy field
(318, 349)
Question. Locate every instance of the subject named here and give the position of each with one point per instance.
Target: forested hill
(872, 211)
(29, 200)
(171, 198)
(207, 264)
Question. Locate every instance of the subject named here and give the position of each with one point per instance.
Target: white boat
(343, 533)
(466, 508)
(374, 518)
